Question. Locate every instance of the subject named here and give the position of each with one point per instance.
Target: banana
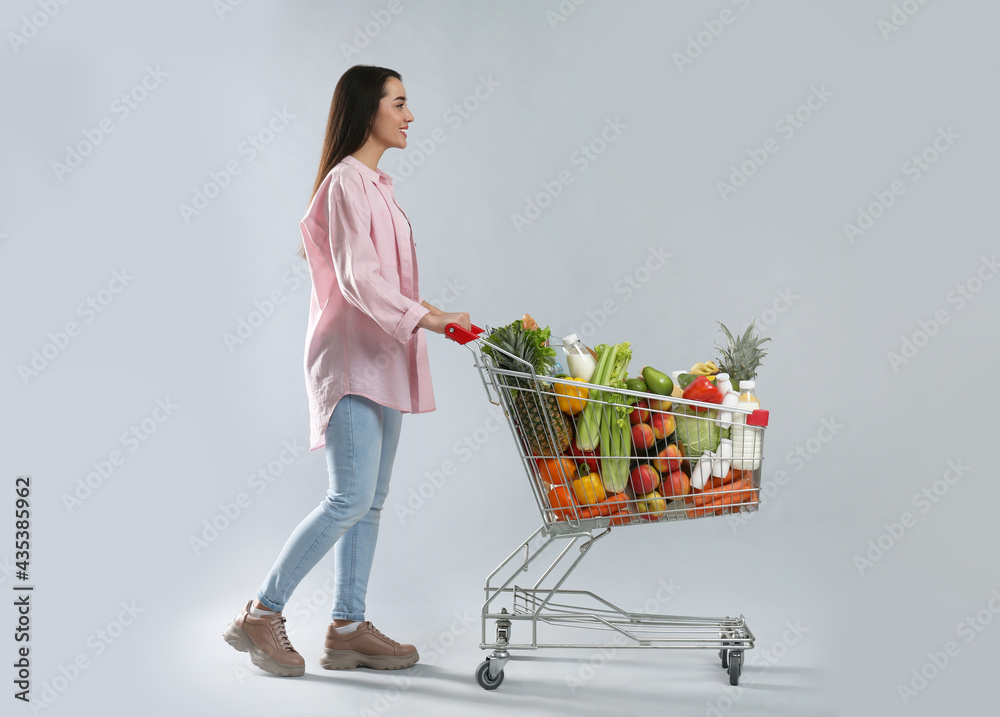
(707, 368)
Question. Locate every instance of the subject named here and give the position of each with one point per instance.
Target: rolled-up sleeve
(356, 262)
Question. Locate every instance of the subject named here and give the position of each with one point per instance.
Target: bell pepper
(701, 389)
(570, 398)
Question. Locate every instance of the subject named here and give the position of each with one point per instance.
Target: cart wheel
(735, 666)
(724, 654)
(483, 677)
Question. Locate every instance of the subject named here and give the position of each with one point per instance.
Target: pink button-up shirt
(365, 304)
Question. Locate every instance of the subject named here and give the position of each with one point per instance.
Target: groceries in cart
(602, 445)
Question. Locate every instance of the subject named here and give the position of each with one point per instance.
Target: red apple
(663, 425)
(644, 479)
(640, 413)
(675, 485)
(669, 459)
(643, 436)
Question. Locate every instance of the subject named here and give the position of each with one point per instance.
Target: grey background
(558, 82)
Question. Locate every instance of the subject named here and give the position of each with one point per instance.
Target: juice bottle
(581, 362)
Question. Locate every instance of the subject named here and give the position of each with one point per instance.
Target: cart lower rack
(549, 418)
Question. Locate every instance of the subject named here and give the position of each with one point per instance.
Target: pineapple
(742, 355)
(530, 406)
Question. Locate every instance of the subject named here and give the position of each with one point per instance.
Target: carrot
(715, 482)
(705, 508)
(609, 506)
(705, 496)
(726, 501)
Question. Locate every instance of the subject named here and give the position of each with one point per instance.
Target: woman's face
(393, 116)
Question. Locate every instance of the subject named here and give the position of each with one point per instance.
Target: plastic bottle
(702, 470)
(746, 439)
(581, 362)
(722, 463)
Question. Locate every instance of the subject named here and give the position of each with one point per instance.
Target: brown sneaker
(365, 646)
(266, 641)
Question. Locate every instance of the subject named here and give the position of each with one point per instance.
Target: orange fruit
(558, 471)
(561, 501)
(589, 489)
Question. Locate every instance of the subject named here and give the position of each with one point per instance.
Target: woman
(365, 365)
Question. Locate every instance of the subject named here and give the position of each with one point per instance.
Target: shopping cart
(531, 404)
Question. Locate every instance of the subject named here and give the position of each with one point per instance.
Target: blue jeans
(361, 441)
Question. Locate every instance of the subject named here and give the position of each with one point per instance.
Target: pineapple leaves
(741, 357)
(529, 345)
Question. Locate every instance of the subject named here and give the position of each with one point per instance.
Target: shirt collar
(366, 171)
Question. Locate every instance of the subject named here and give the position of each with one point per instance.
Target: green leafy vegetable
(696, 430)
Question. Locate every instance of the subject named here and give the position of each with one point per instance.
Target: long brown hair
(352, 115)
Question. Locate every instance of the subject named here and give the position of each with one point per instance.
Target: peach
(639, 414)
(660, 404)
(669, 459)
(644, 479)
(675, 485)
(643, 436)
(663, 425)
(651, 505)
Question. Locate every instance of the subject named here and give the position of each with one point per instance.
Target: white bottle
(723, 383)
(730, 401)
(702, 470)
(581, 362)
(721, 465)
(746, 439)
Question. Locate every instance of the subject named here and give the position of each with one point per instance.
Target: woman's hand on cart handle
(462, 336)
(438, 323)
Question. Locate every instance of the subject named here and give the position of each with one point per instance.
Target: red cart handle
(459, 335)
(758, 417)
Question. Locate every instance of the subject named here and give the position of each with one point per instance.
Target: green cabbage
(697, 431)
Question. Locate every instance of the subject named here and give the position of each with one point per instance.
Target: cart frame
(546, 601)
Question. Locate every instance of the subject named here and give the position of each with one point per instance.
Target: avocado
(657, 381)
(636, 384)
